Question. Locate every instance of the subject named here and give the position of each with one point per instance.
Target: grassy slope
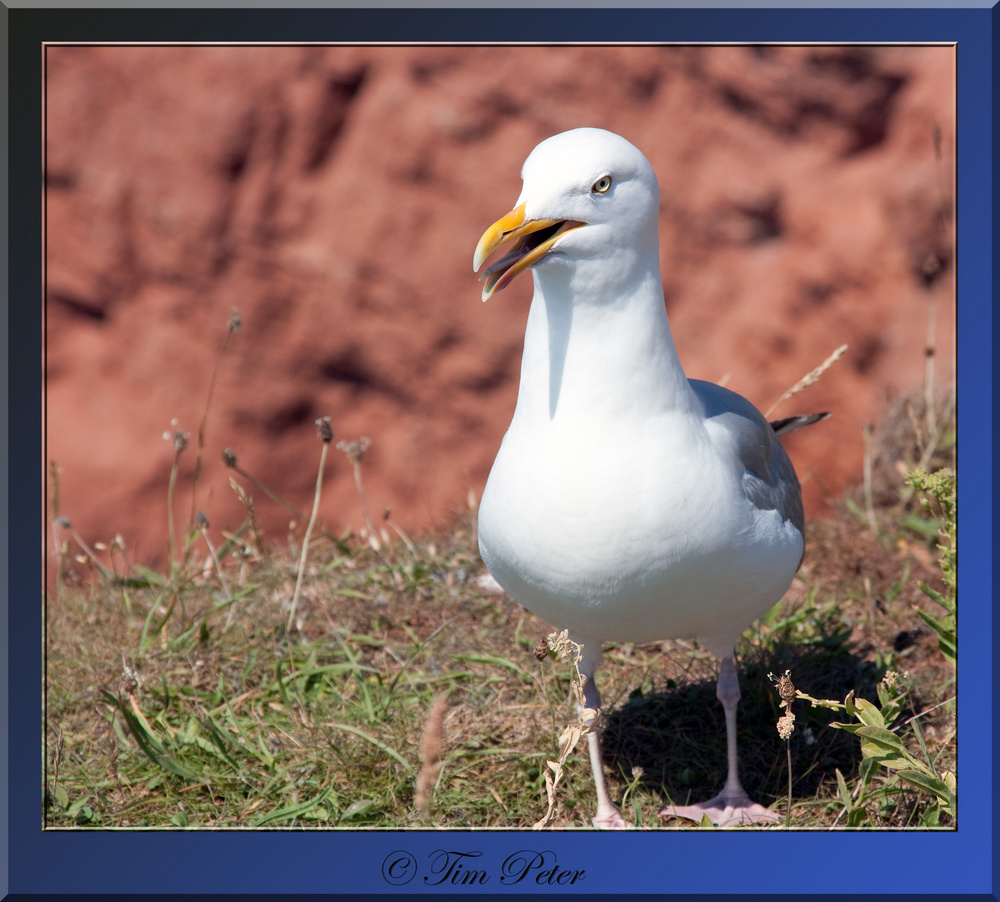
(175, 700)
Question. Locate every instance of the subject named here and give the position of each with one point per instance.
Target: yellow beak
(526, 252)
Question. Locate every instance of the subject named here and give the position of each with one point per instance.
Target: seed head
(561, 644)
(179, 439)
(245, 499)
(355, 451)
(130, 684)
(324, 430)
(785, 687)
(131, 679)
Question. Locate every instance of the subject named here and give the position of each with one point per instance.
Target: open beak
(531, 240)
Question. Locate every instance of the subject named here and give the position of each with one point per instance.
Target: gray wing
(770, 481)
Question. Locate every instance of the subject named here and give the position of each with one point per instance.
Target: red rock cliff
(334, 195)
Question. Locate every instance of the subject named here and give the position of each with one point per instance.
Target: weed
(234, 326)
(325, 433)
(938, 496)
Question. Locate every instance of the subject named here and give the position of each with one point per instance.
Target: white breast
(642, 536)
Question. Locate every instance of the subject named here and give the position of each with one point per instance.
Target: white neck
(584, 353)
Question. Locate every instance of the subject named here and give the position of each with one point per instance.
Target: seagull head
(588, 195)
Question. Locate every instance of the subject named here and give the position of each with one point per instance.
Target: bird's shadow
(672, 740)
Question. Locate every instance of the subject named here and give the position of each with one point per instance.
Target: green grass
(171, 701)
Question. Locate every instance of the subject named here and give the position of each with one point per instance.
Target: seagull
(627, 502)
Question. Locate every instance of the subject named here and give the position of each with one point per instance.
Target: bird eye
(602, 185)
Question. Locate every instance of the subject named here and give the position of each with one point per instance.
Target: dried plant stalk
(586, 722)
(326, 436)
(431, 749)
(809, 378)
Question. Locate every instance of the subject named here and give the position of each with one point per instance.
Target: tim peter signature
(444, 867)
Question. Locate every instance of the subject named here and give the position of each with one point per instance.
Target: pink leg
(608, 816)
(732, 805)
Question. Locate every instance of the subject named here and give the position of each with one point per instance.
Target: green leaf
(369, 738)
(293, 811)
(867, 713)
(937, 597)
(881, 737)
(866, 769)
(85, 815)
(60, 796)
(149, 577)
(492, 660)
(931, 817)
(945, 629)
(147, 742)
(845, 793)
(857, 818)
(931, 784)
(926, 527)
(74, 810)
(891, 700)
(358, 809)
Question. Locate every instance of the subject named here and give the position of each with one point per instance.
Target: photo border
(285, 862)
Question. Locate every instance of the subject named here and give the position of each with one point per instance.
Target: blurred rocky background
(334, 196)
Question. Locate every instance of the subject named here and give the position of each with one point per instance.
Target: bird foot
(725, 811)
(609, 820)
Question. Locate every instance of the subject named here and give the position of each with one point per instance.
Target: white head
(588, 195)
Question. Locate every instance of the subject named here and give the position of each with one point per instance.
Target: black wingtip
(790, 424)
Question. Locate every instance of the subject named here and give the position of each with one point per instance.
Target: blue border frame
(226, 862)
